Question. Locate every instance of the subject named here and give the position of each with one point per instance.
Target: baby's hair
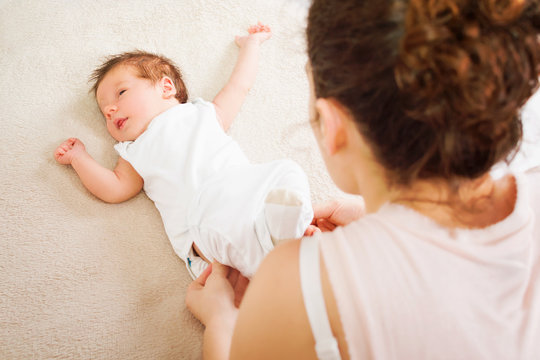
(435, 87)
(148, 66)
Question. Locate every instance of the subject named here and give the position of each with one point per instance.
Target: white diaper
(242, 214)
(195, 264)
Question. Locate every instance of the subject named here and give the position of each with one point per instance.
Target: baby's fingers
(60, 150)
(58, 156)
(260, 27)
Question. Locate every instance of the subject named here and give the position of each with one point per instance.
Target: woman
(413, 102)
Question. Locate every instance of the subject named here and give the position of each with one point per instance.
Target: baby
(215, 205)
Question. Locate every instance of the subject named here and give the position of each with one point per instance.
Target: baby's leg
(285, 215)
(239, 249)
(237, 212)
(287, 208)
(199, 253)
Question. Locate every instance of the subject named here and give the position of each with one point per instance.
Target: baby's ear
(167, 87)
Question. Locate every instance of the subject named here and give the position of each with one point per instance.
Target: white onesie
(207, 192)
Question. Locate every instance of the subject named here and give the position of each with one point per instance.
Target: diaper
(243, 212)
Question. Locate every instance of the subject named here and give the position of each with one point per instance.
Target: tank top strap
(310, 279)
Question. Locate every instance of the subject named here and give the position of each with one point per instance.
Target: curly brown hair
(435, 86)
(148, 66)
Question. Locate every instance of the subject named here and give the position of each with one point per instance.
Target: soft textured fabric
(83, 279)
(407, 288)
(208, 193)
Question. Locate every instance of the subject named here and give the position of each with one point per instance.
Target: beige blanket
(82, 279)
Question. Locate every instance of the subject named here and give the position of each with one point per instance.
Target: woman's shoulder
(272, 323)
(273, 320)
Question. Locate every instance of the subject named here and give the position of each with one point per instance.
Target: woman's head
(434, 87)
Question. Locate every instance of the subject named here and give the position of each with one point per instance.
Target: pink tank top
(407, 288)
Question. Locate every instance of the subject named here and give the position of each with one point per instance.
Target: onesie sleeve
(206, 107)
(121, 149)
(201, 102)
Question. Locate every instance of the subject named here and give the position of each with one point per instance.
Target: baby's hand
(258, 33)
(68, 150)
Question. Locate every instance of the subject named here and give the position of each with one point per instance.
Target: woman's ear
(167, 87)
(332, 122)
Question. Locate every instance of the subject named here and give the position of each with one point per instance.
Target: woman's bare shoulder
(272, 322)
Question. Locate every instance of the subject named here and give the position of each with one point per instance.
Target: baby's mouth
(120, 123)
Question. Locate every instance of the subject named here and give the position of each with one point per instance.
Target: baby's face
(128, 102)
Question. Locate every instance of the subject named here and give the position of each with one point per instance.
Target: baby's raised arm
(111, 186)
(231, 97)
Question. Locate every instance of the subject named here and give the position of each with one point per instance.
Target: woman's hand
(214, 298)
(216, 293)
(331, 214)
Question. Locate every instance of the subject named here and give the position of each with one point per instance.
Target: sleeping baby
(215, 205)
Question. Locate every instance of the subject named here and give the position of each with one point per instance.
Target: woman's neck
(465, 204)
(470, 204)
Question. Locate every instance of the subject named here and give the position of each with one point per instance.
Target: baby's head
(134, 87)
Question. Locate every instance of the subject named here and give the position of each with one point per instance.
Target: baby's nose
(110, 110)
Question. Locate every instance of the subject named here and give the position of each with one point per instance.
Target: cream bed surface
(87, 280)
(81, 279)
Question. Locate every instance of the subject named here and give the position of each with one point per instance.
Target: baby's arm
(111, 186)
(229, 100)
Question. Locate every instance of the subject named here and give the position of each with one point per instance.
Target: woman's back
(412, 289)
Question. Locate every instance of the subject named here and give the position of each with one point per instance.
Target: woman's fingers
(240, 289)
(325, 225)
(325, 210)
(201, 280)
(220, 269)
(233, 277)
(312, 229)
